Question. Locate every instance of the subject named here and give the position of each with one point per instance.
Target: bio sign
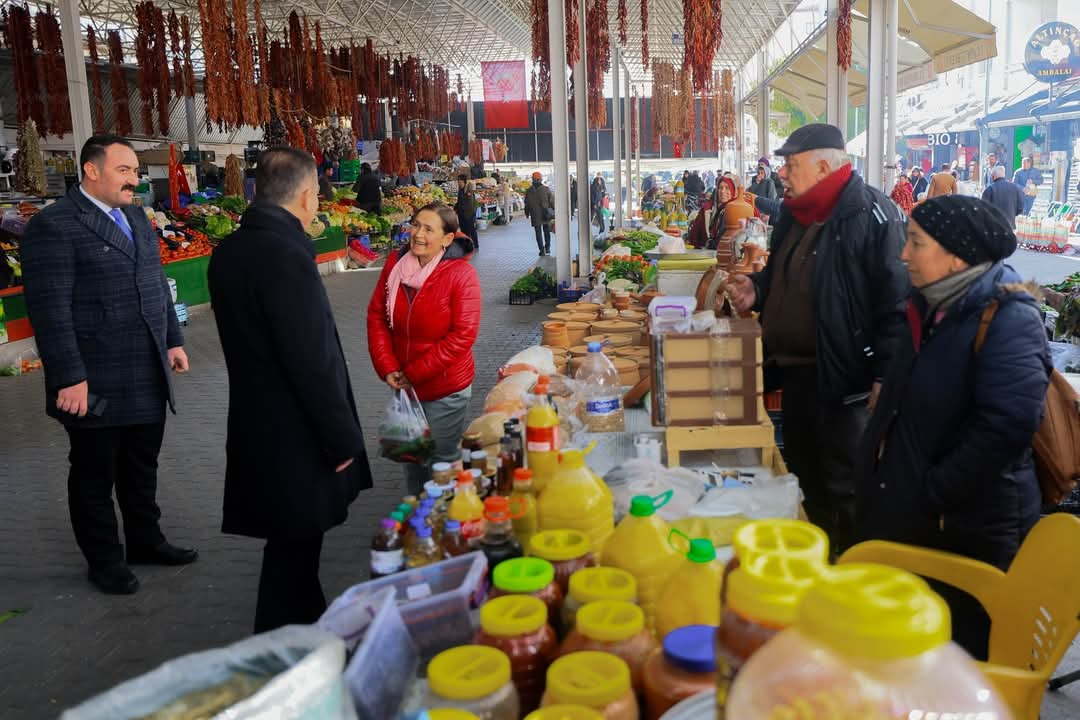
(1052, 54)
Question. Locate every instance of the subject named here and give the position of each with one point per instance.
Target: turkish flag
(678, 150)
(505, 103)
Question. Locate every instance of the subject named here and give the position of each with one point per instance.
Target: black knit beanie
(972, 229)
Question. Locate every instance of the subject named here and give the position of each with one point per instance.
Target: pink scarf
(410, 273)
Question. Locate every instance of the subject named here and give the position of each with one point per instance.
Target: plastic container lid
(465, 477)
(435, 492)
(404, 509)
(769, 588)
(564, 712)
(701, 551)
(595, 347)
(523, 575)
(644, 506)
(478, 455)
(397, 517)
(692, 648)
(513, 615)
(610, 620)
(440, 467)
(468, 672)
(452, 526)
(559, 545)
(497, 509)
(602, 583)
(451, 714)
(791, 537)
(523, 475)
(593, 679)
(388, 524)
(874, 611)
(423, 531)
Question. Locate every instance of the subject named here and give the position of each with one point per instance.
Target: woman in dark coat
(946, 461)
(466, 209)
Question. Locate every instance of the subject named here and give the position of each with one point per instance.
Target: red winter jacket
(433, 335)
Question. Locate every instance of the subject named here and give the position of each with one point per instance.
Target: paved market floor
(74, 642)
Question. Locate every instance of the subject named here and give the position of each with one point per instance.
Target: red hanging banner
(505, 94)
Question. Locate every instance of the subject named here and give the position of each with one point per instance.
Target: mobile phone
(95, 405)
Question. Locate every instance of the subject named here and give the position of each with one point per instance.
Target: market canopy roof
(1038, 107)
(935, 36)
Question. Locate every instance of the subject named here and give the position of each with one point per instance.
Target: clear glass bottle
(387, 550)
(453, 542)
(498, 542)
(507, 466)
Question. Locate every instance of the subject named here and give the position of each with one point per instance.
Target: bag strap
(984, 323)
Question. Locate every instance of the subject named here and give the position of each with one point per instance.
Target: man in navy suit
(108, 335)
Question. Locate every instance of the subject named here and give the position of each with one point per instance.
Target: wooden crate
(701, 380)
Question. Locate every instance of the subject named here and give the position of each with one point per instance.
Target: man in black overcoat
(108, 335)
(295, 455)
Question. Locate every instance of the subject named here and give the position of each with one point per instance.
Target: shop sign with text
(1052, 54)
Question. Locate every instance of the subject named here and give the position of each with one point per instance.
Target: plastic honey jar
(596, 680)
(529, 576)
(473, 678)
(614, 627)
(567, 550)
(518, 625)
(597, 583)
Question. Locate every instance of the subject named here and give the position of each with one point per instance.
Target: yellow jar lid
(768, 588)
(559, 545)
(874, 611)
(513, 615)
(468, 672)
(602, 583)
(610, 620)
(564, 712)
(777, 535)
(592, 679)
(451, 714)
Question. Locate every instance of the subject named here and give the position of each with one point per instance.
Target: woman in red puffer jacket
(422, 323)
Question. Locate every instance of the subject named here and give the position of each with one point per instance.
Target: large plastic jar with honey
(529, 576)
(474, 678)
(518, 625)
(593, 584)
(567, 550)
(596, 680)
(763, 596)
(613, 627)
(682, 668)
(869, 642)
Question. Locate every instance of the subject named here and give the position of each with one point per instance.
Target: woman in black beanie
(946, 460)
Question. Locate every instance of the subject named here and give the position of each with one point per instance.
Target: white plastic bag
(767, 497)
(536, 358)
(647, 477)
(404, 433)
(305, 665)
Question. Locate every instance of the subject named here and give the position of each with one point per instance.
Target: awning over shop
(1038, 107)
(935, 36)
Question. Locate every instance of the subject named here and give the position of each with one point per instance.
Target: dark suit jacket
(292, 416)
(1006, 197)
(101, 312)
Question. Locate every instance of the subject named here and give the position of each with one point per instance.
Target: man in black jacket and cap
(367, 189)
(295, 455)
(832, 314)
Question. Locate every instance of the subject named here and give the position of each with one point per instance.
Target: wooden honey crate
(699, 379)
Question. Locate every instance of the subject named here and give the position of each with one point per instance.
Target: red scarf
(815, 205)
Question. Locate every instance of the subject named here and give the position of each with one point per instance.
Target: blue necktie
(118, 215)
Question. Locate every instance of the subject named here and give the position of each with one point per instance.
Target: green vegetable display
(232, 203)
(219, 226)
(537, 282)
(1070, 284)
(639, 241)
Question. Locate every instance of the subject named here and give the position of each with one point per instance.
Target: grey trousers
(446, 416)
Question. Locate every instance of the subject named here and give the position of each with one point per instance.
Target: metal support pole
(581, 143)
(875, 94)
(628, 105)
(470, 118)
(82, 126)
(835, 77)
(740, 123)
(387, 121)
(192, 126)
(616, 135)
(892, 33)
(637, 140)
(560, 140)
(763, 109)
(536, 141)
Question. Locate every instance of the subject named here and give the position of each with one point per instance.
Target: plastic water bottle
(602, 391)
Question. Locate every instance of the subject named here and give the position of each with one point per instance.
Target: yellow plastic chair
(1034, 608)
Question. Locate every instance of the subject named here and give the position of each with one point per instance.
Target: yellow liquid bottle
(542, 439)
(527, 524)
(468, 509)
(692, 593)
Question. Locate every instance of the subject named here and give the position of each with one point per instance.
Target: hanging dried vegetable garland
(189, 69)
(702, 35)
(97, 96)
(320, 96)
(29, 166)
(213, 20)
(145, 63)
(161, 71)
(118, 85)
(727, 105)
(573, 32)
(663, 95)
(51, 45)
(624, 22)
(541, 56)
(843, 35)
(177, 57)
(599, 60)
(19, 34)
(244, 58)
(645, 34)
(684, 117)
(263, 45)
(634, 123)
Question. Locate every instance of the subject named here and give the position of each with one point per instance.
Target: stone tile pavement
(75, 642)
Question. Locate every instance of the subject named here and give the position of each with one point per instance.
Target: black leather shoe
(164, 554)
(114, 579)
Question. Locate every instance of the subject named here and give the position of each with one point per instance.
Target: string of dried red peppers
(97, 96)
(843, 35)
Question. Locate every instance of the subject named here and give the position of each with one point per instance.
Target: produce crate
(521, 298)
(436, 600)
(385, 662)
(349, 170)
(567, 294)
